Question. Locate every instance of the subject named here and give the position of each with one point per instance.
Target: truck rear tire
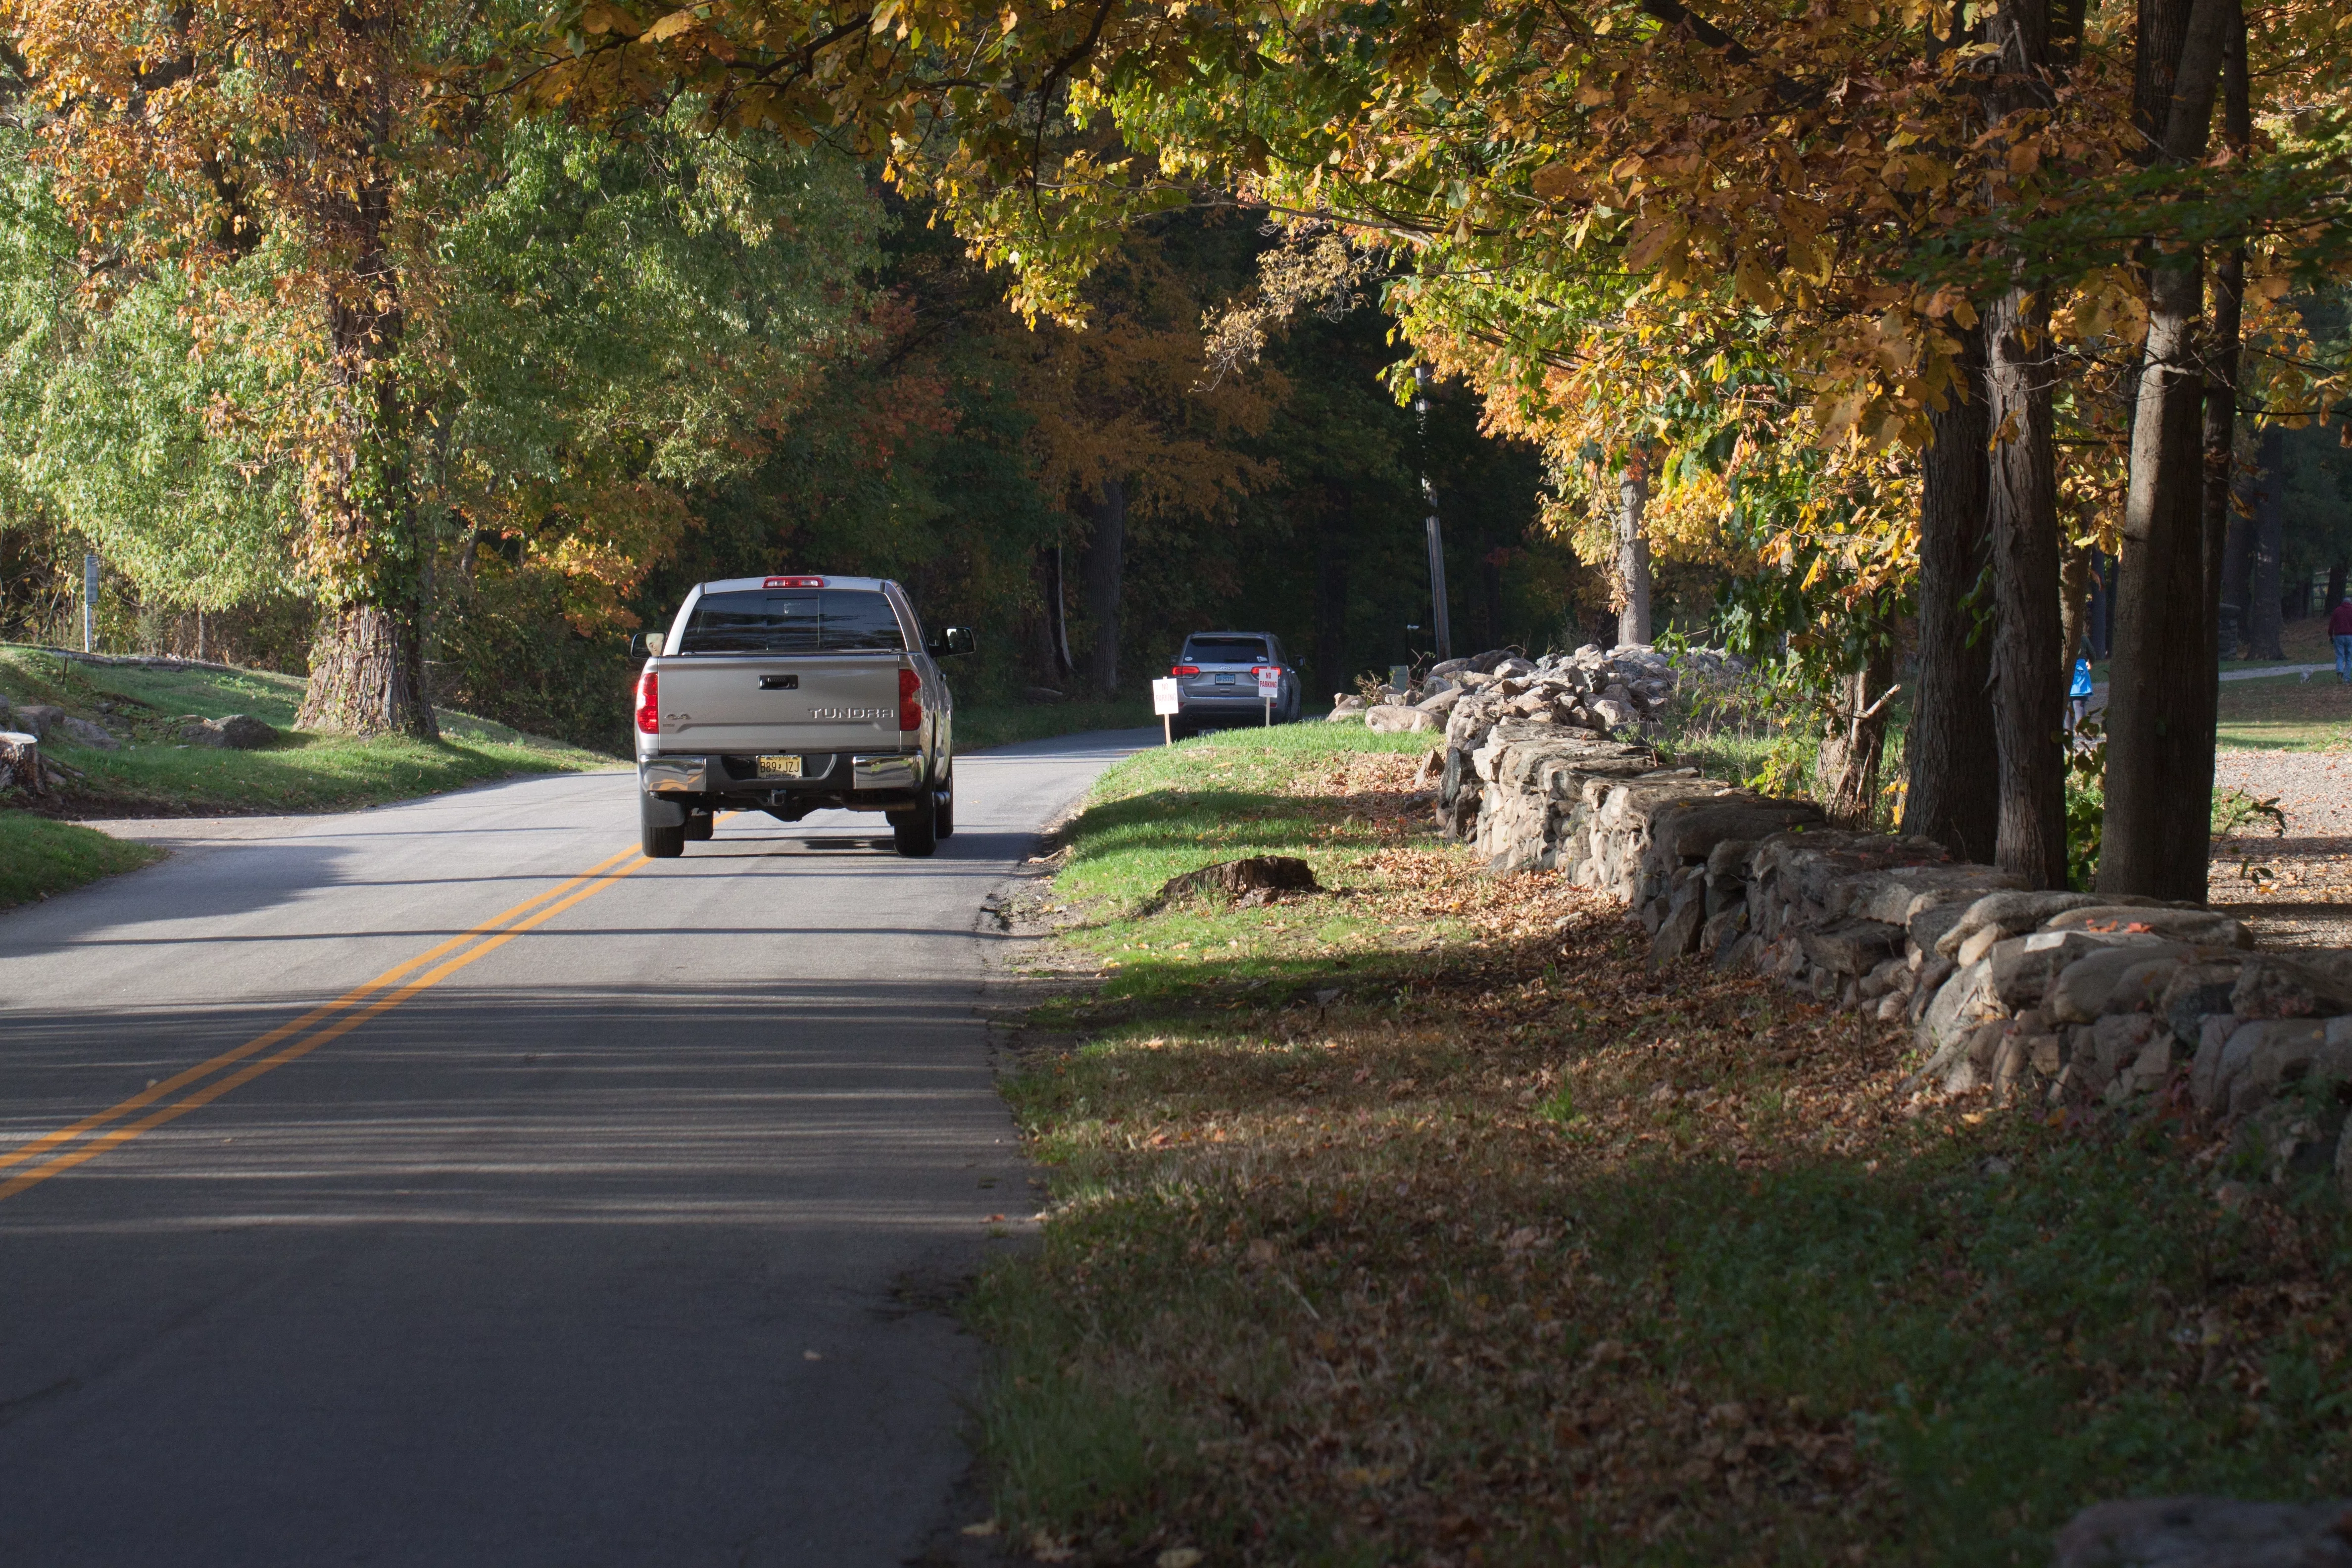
(943, 816)
(917, 834)
(660, 840)
(698, 824)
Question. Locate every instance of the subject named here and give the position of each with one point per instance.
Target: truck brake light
(1184, 669)
(793, 583)
(650, 703)
(911, 700)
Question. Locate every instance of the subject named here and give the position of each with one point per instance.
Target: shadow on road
(826, 1103)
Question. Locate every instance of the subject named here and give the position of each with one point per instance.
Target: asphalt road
(615, 1232)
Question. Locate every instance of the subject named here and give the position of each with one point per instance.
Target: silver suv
(1217, 680)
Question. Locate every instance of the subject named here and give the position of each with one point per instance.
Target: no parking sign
(1164, 704)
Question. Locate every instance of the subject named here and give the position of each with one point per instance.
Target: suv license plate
(780, 767)
(1224, 680)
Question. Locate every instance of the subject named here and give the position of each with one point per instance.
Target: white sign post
(1163, 702)
(1269, 686)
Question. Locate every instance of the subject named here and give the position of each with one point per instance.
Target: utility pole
(1437, 534)
(89, 602)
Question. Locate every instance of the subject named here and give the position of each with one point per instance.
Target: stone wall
(2056, 998)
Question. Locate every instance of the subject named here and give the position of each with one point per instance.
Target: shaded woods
(1868, 340)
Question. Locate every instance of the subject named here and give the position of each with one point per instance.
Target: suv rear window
(795, 620)
(1224, 650)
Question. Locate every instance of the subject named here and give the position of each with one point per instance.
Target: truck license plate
(780, 767)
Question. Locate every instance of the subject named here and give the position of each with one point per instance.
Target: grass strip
(40, 857)
(1417, 1222)
(981, 725)
(156, 774)
(2287, 713)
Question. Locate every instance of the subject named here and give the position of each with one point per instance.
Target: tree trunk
(1490, 583)
(2021, 511)
(367, 653)
(367, 658)
(2222, 536)
(1634, 553)
(2238, 563)
(2073, 606)
(2267, 612)
(1331, 537)
(1053, 624)
(2158, 811)
(367, 673)
(2103, 602)
(1106, 553)
(1857, 744)
(2156, 749)
(2192, 848)
(2334, 586)
(1954, 794)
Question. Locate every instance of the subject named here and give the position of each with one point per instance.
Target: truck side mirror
(650, 644)
(953, 641)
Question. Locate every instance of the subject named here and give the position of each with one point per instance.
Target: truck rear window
(803, 620)
(1224, 650)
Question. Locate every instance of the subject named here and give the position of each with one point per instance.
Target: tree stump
(20, 764)
(1255, 880)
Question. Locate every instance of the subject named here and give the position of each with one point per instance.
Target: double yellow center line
(298, 1038)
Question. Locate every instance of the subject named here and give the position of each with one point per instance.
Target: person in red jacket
(2339, 627)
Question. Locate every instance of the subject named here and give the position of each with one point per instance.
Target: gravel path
(2295, 890)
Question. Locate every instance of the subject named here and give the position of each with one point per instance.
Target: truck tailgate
(780, 702)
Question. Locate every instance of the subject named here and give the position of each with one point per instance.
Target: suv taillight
(911, 700)
(650, 703)
(1184, 669)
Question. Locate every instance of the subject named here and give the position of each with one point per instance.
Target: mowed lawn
(2285, 713)
(38, 856)
(153, 773)
(156, 774)
(980, 725)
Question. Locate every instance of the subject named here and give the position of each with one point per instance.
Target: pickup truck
(795, 694)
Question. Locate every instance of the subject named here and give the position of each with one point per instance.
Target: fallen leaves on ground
(1485, 1245)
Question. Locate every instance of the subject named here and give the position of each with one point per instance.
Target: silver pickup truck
(790, 695)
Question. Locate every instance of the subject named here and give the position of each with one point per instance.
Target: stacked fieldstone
(2069, 999)
(1591, 690)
